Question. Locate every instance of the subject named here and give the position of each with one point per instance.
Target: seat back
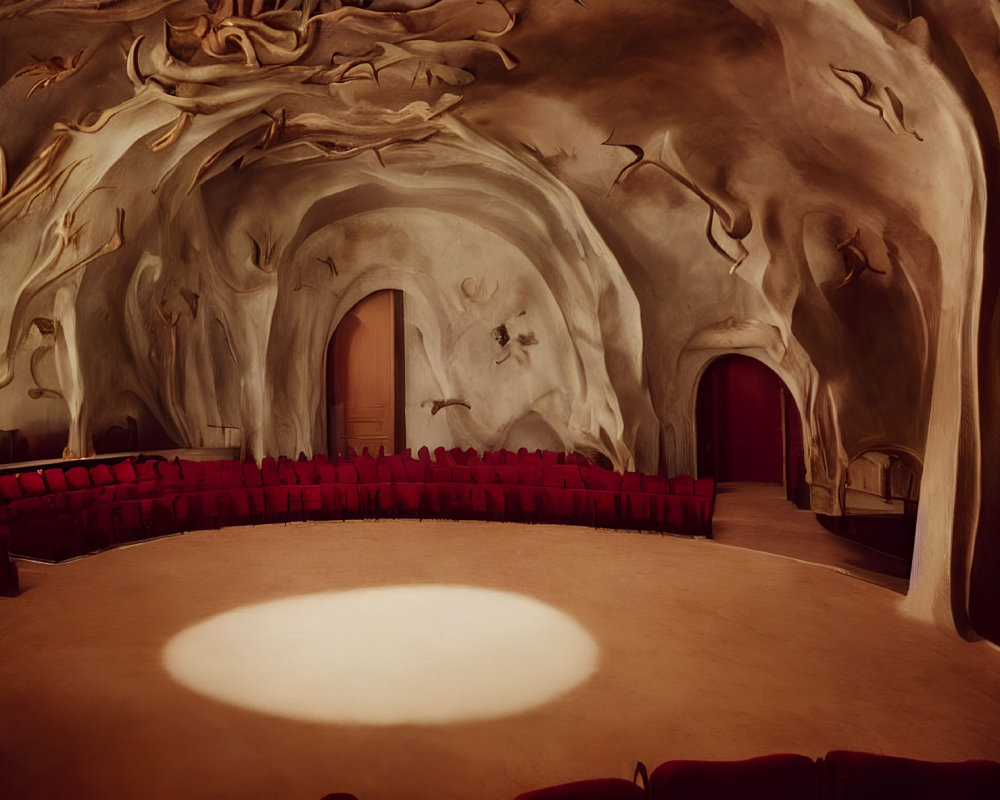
(783, 776)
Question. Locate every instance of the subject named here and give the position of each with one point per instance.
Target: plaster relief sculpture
(437, 405)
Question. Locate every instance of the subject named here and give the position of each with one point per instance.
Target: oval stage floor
(702, 651)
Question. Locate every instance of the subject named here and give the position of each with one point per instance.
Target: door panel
(740, 418)
(364, 377)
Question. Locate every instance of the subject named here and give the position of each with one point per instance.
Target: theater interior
(456, 398)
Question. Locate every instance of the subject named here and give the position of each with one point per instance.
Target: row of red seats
(55, 514)
(840, 775)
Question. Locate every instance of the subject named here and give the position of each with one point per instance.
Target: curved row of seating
(840, 775)
(58, 513)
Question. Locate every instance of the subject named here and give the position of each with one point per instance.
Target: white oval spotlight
(386, 655)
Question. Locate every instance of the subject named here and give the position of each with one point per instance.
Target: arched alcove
(364, 377)
(748, 426)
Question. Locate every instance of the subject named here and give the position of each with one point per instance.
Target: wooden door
(740, 422)
(364, 377)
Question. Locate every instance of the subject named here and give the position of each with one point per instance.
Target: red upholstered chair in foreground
(775, 777)
(867, 776)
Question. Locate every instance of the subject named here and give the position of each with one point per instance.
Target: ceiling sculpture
(194, 193)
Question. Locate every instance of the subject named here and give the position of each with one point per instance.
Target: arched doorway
(748, 427)
(364, 377)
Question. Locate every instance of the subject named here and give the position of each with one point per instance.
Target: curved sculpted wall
(195, 192)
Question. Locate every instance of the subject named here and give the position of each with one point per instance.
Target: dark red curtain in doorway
(741, 424)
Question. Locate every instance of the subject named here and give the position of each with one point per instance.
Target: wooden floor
(758, 517)
(706, 651)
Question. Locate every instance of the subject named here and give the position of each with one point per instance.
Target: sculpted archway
(193, 189)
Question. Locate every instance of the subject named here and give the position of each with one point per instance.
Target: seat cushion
(78, 478)
(775, 777)
(867, 776)
(124, 471)
(55, 479)
(32, 484)
(10, 489)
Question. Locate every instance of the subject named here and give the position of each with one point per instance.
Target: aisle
(757, 516)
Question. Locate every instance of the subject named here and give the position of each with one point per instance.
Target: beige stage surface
(705, 651)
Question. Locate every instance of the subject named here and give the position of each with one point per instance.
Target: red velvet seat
(169, 475)
(193, 512)
(774, 777)
(558, 505)
(232, 507)
(655, 484)
(232, 475)
(416, 471)
(442, 457)
(312, 501)
(305, 472)
(597, 789)
(252, 478)
(98, 527)
(269, 472)
(32, 484)
(161, 520)
(126, 491)
(326, 472)
(330, 499)
(508, 474)
(73, 502)
(606, 511)
(191, 475)
(10, 489)
(531, 473)
(632, 482)
(367, 469)
(286, 472)
(571, 477)
(211, 476)
(349, 500)
(55, 479)
(641, 511)
(147, 470)
(552, 476)
(528, 504)
(383, 499)
(147, 488)
(867, 776)
(458, 498)
(682, 484)
(127, 521)
(483, 473)
(36, 538)
(408, 498)
(276, 501)
(124, 471)
(395, 466)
